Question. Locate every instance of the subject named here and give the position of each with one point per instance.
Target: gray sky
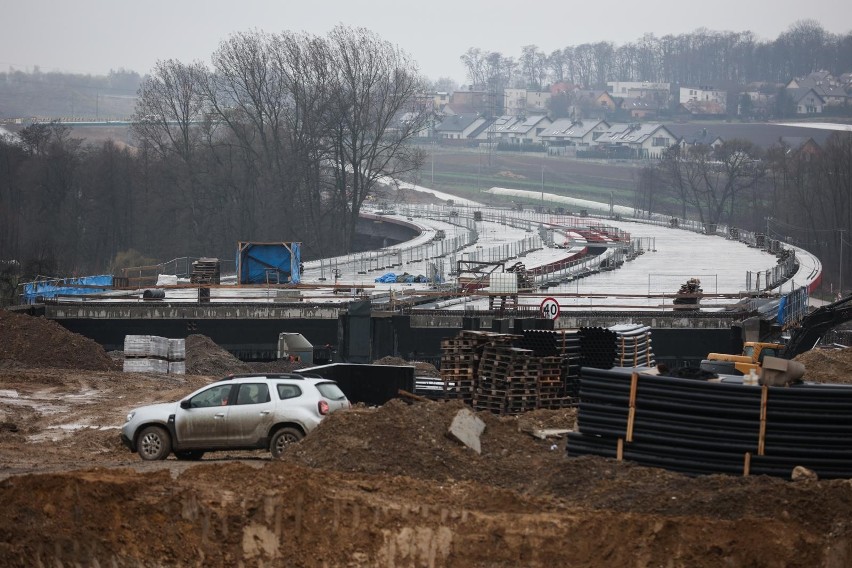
(94, 36)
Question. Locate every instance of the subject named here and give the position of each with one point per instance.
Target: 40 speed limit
(549, 308)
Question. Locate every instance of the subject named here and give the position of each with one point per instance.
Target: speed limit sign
(549, 308)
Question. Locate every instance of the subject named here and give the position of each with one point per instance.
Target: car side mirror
(185, 404)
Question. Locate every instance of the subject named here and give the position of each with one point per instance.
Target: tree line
(704, 57)
(282, 138)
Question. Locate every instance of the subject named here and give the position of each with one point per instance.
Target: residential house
(640, 107)
(647, 140)
(594, 104)
(527, 130)
(573, 132)
(690, 135)
(807, 100)
(472, 101)
(656, 92)
(514, 101)
(483, 132)
(440, 99)
(814, 79)
(703, 100)
(833, 91)
(458, 126)
(523, 101)
(834, 96)
(499, 129)
(688, 94)
(425, 126)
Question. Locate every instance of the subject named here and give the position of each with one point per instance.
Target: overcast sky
(95, 36)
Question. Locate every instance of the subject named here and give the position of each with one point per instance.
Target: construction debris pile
(512, 374)
(689, 294)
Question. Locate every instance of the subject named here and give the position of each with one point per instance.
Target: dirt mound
(403, 439)
(28, 341)
(827, 365)
(204, 357)
(510, 175)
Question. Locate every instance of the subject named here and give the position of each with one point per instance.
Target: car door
(250, 418)
(204, 423)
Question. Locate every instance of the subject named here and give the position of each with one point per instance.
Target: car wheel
(193, 455)
(154, 443)
(283, 438)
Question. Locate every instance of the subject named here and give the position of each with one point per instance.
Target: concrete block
(466, 428)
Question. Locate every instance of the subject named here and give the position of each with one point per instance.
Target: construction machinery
(749, 360)
(803, 337)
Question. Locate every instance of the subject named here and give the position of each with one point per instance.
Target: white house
(807, 100)
(571, 132)
(702, 94)
(528, 130)
(639, 89)
(458, 126)
(500, 130)
(646, 140)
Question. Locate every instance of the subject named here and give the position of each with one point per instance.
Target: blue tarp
(782, 309)
(262, 263)
(78, 286)
(406, 278)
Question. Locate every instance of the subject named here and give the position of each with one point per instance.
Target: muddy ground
(370, 487)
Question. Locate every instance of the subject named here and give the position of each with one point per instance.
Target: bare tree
(709, 180)
(474, 62)
(557, 64)
(533, 65)
(171, 103)
(172, 106)
(376, 115)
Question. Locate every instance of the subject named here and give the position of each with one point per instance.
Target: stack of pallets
(551, 384)
(507, 381)
(460, 358)
(205, 271)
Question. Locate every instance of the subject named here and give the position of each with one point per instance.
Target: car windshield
(331, 391)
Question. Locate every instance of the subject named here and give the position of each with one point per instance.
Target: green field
(466, 172)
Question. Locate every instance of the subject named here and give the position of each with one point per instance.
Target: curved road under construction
(601, 267)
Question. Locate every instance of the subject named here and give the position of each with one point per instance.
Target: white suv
(241, 412)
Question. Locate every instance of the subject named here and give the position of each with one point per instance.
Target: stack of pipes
(633, 346)
(705, 427)
(598, 347)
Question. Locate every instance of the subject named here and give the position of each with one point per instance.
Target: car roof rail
(262, 376)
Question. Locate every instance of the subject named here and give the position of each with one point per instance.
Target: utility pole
(840, 291)
(542, 185)
(433, 164)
